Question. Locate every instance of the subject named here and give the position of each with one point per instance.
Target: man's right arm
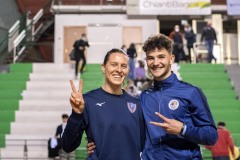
(72, 135)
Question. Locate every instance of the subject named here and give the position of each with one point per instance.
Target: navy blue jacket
(190, 37)
(186, 103)
(80, 53)
(114, 123)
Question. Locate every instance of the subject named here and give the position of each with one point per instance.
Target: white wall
(102, 38)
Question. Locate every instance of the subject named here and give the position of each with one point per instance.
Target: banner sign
(169, 7)
(233, 7)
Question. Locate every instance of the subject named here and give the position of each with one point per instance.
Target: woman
(111, 117)
(132, 54)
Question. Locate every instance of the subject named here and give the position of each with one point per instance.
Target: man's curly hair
(159, 41)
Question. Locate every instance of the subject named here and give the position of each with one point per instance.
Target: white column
(194, 26)
(228, 48)
(238, 38)
(158, 25)
(58, 41)
(217, 24)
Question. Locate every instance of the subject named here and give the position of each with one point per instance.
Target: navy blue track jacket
(114, 123)
(186, 103)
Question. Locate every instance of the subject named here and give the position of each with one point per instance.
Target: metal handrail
(25, 145)
(30, 27)
(196, 51)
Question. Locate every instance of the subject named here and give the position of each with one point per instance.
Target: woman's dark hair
(159, 41)
(132, 46)
(114, 50)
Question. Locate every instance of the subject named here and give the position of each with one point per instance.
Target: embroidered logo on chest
(132, 107)
(173, 104)
(99, 104)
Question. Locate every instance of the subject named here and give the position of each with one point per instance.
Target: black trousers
(83, 58)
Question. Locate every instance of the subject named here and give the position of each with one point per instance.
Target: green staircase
(11, 86)
(92, 79)
(222, 99)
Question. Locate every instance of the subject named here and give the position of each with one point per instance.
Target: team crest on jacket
(173, 104)
(132, 107)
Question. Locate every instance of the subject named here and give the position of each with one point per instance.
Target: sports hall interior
(37, 36)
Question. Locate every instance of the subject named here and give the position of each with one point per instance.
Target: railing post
(25, 150)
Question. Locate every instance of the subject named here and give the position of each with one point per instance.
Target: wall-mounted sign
(169, 7)
(233, 7)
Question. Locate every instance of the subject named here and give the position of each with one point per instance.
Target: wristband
(183, 130)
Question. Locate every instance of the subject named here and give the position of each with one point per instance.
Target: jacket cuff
(76, 116)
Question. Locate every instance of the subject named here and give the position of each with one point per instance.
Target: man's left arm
(203, 129)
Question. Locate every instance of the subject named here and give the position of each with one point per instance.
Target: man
(220, 151)
(80, 46)
(177, 38)
(176, 113)
(209, 35)
(183, 119)
(190, 36)
(60, 128)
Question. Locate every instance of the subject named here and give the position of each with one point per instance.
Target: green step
(220, 94)
(221, 84)
(228, 102)
(10, 94)
(93, 77)
(205, 76)
(202, 68)
(9, 104)
(91, 68)
(2, 140)
(4, 127)
(219, 114)
(20, 85)
(222, 106)
(14, 77)
(7, 116)
(21, 67)
(220, 97)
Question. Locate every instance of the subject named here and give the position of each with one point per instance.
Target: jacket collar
(169, 81)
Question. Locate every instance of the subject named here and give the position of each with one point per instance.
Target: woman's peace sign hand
(76, 99)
